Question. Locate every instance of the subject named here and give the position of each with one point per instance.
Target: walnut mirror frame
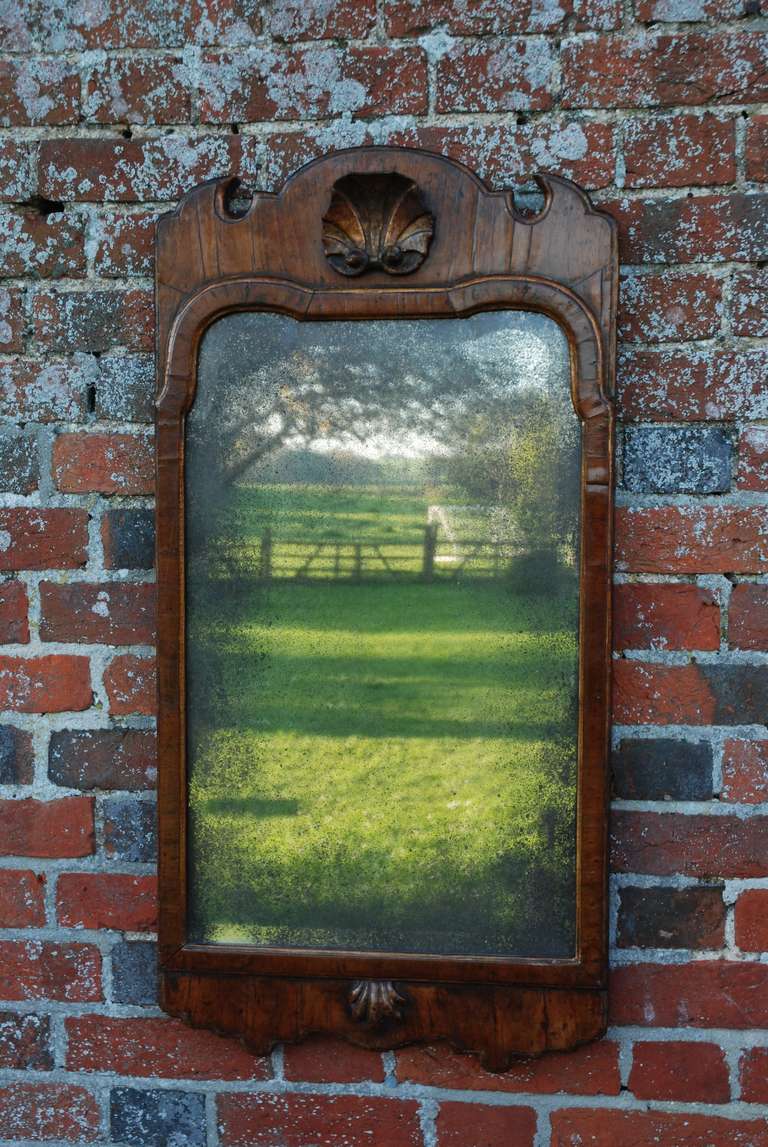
(365, 234)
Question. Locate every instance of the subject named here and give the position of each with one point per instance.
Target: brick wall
(108, 112)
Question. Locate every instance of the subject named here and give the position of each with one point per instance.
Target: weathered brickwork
(108, 112)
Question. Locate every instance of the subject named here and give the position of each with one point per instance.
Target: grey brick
(126, 387)
(16, 756)
(19, 466)
(129, 539)
(103, 758)
(25, 1042)
(662, 769)
(134, 972)
(157, 1118)
(130, 831)
(669, 460)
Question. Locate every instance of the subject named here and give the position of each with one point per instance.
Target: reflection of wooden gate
(375, 559)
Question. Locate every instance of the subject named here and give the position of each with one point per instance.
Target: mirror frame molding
(481, 255)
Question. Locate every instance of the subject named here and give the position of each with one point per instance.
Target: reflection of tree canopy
(484, 401)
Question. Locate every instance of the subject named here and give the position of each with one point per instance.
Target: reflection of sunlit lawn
(380, 769)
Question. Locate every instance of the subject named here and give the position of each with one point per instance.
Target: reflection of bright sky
(483, 355)
(530, 353)
(377, 446)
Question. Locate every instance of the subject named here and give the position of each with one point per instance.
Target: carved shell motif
(373, 1001)
(376, 222)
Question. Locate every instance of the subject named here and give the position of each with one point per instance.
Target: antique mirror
(384, 448)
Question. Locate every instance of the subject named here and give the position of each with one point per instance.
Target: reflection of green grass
(382, 765)
(358, 512)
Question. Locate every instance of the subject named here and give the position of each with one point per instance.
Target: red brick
(750, 303)
(115, 613)
(32, 970)
(25, 25)
(114, 24)
(38, 91)
(689, 69)
(493, 75)
(293, 1120)
(692, 385)
(577, 150)
(55, 684)
(414, 17)
(126, 171)
(661, 695)
(226, 22)
(25, 1042)
(745, 771)
(324, 1060)
(311, 83)
(665, 616)
(706, 539)
(669, 307)
(754, 1075)
(59, 828)
(284, 152)
(317, 20)
(103, 758)
(164, 1048)
(705, 993)
(107, 900)
(748, 616)
(14, 626)
(591, 1070)
(715, 10)
(583, 151)
(125, 244)
(697, 845)
(582, 1127)
(22, 902)
(756, 149)
(94, 321)
(42, 246)
(32, 539)
(11, 320)
(44, 391)
(679, 150)
(680, 1070)
(141, 90)
(692, 230)
(476, 18)
(752, 920)
(459, 1124)
(104, 463)
(131, 684)
(752, 473)
(41, 1111)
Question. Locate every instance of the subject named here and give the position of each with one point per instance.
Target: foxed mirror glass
(382, 617)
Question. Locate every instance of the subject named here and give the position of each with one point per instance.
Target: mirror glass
(382, 524)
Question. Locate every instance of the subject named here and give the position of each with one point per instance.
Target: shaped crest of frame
(380, 233)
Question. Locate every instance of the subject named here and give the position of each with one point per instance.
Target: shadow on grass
(522, 903)
(251, 806)
(464, 606)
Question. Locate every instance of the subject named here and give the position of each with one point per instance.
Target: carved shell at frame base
(374, 1001)
(376, 222)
